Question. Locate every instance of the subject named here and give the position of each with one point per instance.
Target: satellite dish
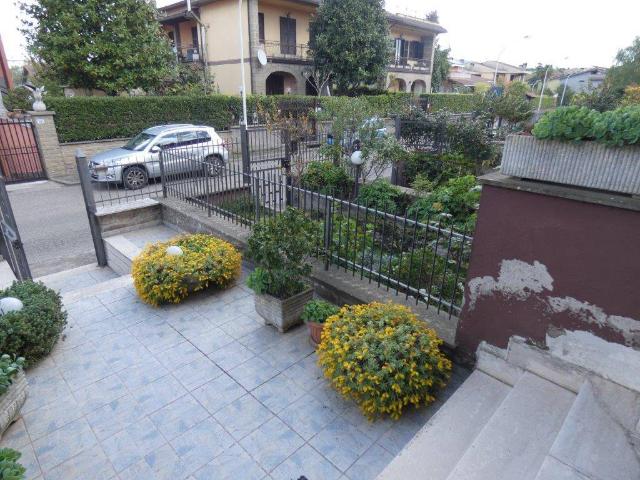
(262, 57)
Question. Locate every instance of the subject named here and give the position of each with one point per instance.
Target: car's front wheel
(135, 178)
(214, 165)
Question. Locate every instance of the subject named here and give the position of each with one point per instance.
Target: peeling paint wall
(541, 262)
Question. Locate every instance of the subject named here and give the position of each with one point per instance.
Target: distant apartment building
(579, 79)
(208, 34)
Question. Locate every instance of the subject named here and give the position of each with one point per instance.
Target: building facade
(208, 35)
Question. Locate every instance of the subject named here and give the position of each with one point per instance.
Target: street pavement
(53, 225)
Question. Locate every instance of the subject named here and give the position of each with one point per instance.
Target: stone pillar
(254, 41)
(55, 163)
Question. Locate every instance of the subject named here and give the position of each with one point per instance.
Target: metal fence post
(394, 168)
(163, 177)
(90, 204)
(11, 237)
(328, 230)
(286, 164)
(246, 159)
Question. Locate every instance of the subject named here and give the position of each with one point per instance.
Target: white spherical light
(356, 158)
(174, 251)
(10, 304)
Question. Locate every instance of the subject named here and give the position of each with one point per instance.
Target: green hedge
(452, 102)
(95, 118)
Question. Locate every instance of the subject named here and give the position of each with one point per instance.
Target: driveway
(53, 224)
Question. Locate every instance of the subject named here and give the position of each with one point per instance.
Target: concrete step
(436, 449)
(599, 437)
(123, 248)
(77, 278)
(515, 441)
(106, 286)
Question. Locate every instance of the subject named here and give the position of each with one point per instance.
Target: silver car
(184, 147)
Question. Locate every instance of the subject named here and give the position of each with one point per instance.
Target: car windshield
(139, 142)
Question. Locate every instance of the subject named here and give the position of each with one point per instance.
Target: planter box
(583, 164)
(11, 402)
(282, 314)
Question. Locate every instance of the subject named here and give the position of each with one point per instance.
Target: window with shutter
(288, 35)
(261, 26)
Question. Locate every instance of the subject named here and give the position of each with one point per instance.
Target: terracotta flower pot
(315, 332)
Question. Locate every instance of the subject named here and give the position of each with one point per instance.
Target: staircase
(530, 414)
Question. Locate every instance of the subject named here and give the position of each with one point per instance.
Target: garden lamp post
(544, 85)
(244, 83)
(357, 161)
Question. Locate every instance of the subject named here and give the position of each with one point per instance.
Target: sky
(567, 33)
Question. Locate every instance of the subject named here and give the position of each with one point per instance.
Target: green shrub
(451, 102)
(318, 311)
(615, 127)
(205, 261)
(18, 99)
(436, 168)
(382, 357)
(326, 177)
(280, 247)
(10, 469)
(457, 198)
(380, 194)
(9, 368)
(33, 331)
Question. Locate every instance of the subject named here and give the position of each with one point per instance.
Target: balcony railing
(409, 63)
(286, 51)
(188, 53)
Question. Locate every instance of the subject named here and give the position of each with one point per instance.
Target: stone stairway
(529, 414)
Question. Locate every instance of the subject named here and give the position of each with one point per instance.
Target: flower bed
(383, 357)
(206, 261)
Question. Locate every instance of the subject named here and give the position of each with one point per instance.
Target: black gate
(10, 244)
(19, 154)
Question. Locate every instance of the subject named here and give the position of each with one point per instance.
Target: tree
(349, 39)
(536, 79)
(433, 16)
(626, 71)
(112, 45)
(441, 66)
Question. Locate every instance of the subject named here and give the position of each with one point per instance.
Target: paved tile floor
(199, 391)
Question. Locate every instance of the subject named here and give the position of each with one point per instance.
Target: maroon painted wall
(591, 251)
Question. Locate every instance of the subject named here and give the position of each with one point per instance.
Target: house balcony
(279, 52)
(408, 64)
(187, 53)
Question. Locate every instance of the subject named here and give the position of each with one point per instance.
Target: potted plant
(13, 389)
(580, 147)
(314, 314)
(280, 248)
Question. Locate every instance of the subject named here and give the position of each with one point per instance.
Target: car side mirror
(155, 149)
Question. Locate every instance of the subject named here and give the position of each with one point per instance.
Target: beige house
(505, 73)
(208, 34)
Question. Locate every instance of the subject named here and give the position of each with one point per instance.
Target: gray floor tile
(51, 417)
(64, 443)
(158, 393)
(306, 373)
(178, 355)
(100, 393)
(306, 462)
(114, 416)
(307, 416)
(29, 461)
(262, 339)
(243, 416)
(254, 373)
(369, 465)
(45, 389)
(341, 443)
(202, 443)
(277, 393)
(197, 373)
(179, 416)
(91, 463)
(166, 465)
(218, 393)
(210, 341)
(271, 443)
(241, 326)
(130, 445)
(231, 355)
(228, 464)
(15, 436)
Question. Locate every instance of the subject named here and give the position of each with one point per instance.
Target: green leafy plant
(458, 198)
(9, 368)
(380, 194)
(205, 261)
(326, 177)
(616, 127)
(280, 247)
(383, 357)
(33, 331)
(318, 311)
(10, 469)
(437, 168)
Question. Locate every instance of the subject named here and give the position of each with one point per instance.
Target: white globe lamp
(10, 304)
(174, 251)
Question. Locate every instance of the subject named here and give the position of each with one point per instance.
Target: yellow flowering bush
(383, 357)
(206, 261)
